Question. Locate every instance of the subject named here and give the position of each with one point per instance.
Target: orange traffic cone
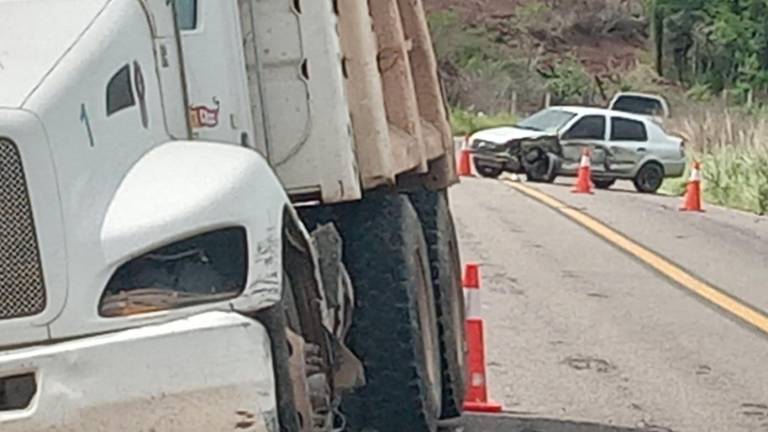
(476, 399)
(692, 200)
(584, 181)
(471, 277)
(464, 168)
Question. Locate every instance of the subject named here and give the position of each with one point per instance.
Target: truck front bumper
(208, 372)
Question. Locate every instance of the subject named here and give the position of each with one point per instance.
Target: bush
(733, 146)
(737, 179)
(479, 71)
(568, 82)
(466, 122)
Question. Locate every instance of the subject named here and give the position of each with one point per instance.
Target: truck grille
(22, 290)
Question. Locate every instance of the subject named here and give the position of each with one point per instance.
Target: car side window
(628, 130)
(590, 127)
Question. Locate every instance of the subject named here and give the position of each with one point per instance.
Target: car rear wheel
(603, 183)
(649, 178)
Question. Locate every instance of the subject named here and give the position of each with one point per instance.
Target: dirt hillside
(606, 36)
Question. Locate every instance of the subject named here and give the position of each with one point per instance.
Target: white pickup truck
(225, 215)
(652, 106)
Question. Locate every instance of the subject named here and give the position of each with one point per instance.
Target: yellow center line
(672, 271)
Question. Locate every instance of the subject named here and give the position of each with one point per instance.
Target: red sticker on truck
(201, 116)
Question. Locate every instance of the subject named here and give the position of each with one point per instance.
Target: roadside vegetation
(503, 59)
(466, 122)
(731, 144)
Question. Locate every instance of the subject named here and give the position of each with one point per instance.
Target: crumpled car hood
(504, 135)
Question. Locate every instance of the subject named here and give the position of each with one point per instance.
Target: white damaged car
(550, 143)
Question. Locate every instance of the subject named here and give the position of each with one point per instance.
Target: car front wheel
(649, 178)
(488, 171)
(540, 171)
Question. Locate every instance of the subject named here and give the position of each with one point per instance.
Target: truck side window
(628, 130)
(591, 127)
(186, 14)
(119, 91)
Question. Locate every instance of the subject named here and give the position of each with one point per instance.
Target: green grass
(465, 122)
(733, 148)
(731, 177)
(737, 178)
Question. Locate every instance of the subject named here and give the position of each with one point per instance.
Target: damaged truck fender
(181, 189)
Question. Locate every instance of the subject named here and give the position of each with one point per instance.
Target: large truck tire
(437, 222)
(394, 329)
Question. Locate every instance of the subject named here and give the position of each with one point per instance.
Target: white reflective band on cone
(695, 175)
(477, 379)
(472, 301)
(585, 161)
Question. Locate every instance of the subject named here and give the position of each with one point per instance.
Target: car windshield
(548, 120)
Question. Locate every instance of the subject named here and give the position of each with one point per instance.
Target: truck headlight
(206, 268)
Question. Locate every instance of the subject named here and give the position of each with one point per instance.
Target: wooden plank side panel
(394, 65)
(424, 71)
(377, 158)
(398, 115)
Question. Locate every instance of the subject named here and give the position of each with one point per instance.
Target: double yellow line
(724, 301)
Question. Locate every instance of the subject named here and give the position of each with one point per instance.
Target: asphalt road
(583, 336)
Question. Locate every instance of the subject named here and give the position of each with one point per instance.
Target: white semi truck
(222, 215)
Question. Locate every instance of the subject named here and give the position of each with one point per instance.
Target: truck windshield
(548, 120)
(638, 105)
(186, 14)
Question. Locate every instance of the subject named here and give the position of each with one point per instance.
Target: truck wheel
(437, 223)
(394, 330)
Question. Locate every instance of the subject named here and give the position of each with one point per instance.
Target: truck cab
(652, 106)
(184, 186)
(108, 205)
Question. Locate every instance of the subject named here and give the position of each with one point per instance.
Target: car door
(588, 131)
(628, 144)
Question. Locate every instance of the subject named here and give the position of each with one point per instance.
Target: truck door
(169, 68)
(218, 107)
(588, 131)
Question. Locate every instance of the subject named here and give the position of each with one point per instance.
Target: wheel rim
(651, 178)
(458, 310)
